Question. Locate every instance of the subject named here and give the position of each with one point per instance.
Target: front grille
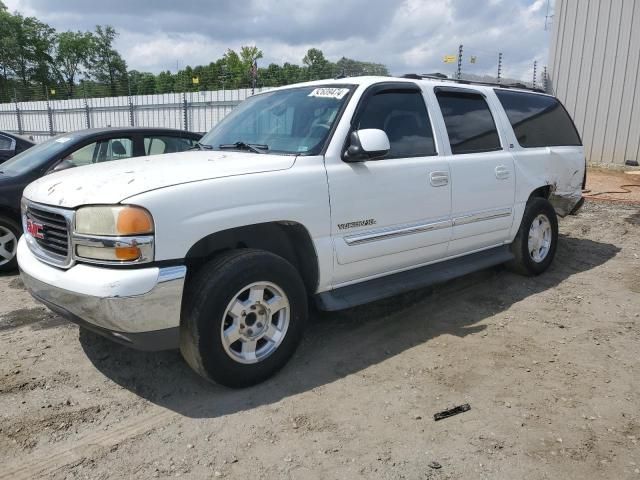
(54, 244)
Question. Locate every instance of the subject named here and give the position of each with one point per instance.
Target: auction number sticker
(337, 93)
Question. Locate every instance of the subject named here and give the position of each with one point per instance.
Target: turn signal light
(127, 253)
(134, 221)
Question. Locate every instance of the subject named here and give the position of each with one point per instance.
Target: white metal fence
(195, 111)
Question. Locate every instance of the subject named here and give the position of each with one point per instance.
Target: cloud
(406, 35)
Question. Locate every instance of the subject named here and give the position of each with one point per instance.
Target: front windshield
(35, 156)
(291, 121)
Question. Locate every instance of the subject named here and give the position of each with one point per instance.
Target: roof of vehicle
(423, 80)
(90, 132)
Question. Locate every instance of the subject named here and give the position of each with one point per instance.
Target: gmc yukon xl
(335, 192)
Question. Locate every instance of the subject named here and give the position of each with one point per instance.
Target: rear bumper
(138, 307)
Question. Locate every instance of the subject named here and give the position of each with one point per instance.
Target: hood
(113, 182)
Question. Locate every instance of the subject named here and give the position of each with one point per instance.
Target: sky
(408, 36)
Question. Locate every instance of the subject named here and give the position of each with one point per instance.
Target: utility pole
(545, 80)
(499, 67)
(535, 72)
(254, 76)
(131, 114)
(548, 16)
(49, 113)
(18, 113)
(459, 72)
(87, 111)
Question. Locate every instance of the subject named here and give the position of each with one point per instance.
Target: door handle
(502, 172)
(439, 179)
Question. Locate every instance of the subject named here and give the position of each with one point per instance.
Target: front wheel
(243, 317)
(9, 234)
(535, 244)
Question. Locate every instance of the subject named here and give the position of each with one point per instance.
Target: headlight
(113, 234)
(113, 221)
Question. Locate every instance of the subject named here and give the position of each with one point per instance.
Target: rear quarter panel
(560, 168)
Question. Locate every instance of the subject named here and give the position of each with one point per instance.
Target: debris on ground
(452, 411)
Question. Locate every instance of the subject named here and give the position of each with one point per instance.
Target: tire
(9, 234)
(534, 255)
(222, 302)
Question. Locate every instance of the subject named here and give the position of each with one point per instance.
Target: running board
(388, 286)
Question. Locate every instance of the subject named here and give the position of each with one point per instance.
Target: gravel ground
(549, 366)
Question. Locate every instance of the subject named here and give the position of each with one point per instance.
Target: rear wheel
(535, 244)
(9, 234)
(243, 317)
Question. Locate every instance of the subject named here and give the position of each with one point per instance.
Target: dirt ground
(549, 366)
(610, 185)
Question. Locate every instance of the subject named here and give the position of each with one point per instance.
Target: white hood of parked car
(113, 182)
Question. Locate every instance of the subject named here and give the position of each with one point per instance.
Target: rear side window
(469, 122)
(6, 143)
(538, 120)
(403, 116)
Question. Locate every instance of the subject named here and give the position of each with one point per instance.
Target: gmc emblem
(35, 229)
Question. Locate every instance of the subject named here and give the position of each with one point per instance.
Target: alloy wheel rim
(255, 322)
(539, 242)
(8, 245)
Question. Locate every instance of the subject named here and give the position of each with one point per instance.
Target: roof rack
(444, 78)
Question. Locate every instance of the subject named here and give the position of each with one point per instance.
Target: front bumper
(137, 307)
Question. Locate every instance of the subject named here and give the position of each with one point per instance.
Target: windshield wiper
(252, 147)
(201, 146)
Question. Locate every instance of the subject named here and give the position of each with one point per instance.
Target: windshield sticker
(63, 139)
(337, 93)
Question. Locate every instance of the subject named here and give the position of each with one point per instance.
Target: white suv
(338, 192)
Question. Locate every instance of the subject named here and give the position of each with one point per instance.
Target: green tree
(317, 65)
(249, 55)
(8, 29)
(74, 52)
(353, 68)
(42, 38)
(107, 66)
(292, 73)
(165, 82)
(31, 55)
(142, 83)
(272, 76)
(233, 69)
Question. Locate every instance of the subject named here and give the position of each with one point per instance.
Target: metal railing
(195, 111)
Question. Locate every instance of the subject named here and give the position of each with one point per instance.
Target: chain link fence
(195, 111)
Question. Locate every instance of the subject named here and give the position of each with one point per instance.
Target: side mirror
(367, 144)
(63, 165)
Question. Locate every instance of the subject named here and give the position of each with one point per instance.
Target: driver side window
(403, 117)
